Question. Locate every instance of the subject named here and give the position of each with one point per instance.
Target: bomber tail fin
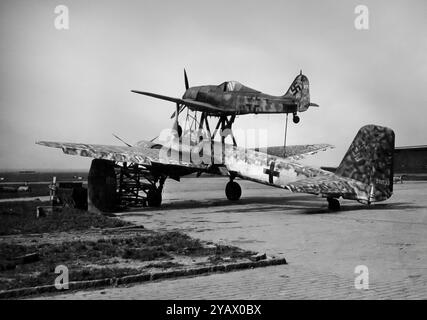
(370, 160)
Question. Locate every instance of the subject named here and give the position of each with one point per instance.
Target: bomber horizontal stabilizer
(327, 186)
(296, 152)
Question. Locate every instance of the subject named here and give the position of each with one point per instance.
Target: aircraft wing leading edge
(138, 155)
(200, 106)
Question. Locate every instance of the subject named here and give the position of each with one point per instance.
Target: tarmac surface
(322, 248)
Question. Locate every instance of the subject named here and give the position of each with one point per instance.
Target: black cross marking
(271, 173)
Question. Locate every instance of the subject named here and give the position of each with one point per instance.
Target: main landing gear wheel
(295, 119)
(233, 191)
(154, 198)
(333, 204)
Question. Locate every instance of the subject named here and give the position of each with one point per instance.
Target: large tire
(154, 198)
(233, 191)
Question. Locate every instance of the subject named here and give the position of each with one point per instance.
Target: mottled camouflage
(370, 160)
(231, 97)
(365, 173)
(146, 153)
(142, 155)
(296, 152)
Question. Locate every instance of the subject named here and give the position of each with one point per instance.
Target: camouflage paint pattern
(233, 98)
(370, 160)
(296, 152)
(365, 174)
(141, 155)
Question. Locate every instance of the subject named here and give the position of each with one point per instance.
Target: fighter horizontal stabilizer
(192, 104)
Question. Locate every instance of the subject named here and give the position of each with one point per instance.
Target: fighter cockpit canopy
(232, 86)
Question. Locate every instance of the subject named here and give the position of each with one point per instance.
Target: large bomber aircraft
(365, 173)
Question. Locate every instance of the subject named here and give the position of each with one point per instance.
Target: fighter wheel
(233, 191)
(334, 204)
(154, 198)
(295, 119)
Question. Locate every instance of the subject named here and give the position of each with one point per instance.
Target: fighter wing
(328, 185)
(296, 152)
(138, 154)
(200, 106)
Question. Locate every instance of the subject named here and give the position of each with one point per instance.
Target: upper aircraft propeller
(186, 80)
(187, 86)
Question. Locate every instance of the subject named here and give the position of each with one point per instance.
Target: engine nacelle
(102, 187)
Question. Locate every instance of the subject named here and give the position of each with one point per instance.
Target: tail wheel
(233, 191)
(295, 119)
(154, 198)
(334, 204)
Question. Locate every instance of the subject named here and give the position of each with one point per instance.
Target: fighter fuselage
(242, 101)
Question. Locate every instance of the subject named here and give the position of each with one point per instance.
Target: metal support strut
(137, 186)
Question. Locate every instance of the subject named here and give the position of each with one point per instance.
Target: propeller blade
(181, 107)
(186, 80)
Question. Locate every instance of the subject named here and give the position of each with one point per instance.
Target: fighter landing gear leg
(233, 190)
(333, 204)
(295, 118)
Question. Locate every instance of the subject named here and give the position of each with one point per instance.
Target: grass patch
(97, 254)
(157, 249)
(20, 218)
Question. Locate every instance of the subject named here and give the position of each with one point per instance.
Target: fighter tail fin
(299, 90)
(370, 160)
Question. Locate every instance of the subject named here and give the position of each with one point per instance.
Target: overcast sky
(74, 85)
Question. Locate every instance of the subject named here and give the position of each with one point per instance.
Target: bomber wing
(138, 154)
(200, 106)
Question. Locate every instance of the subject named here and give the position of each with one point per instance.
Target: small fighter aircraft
(232, 98)
(365, 173)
